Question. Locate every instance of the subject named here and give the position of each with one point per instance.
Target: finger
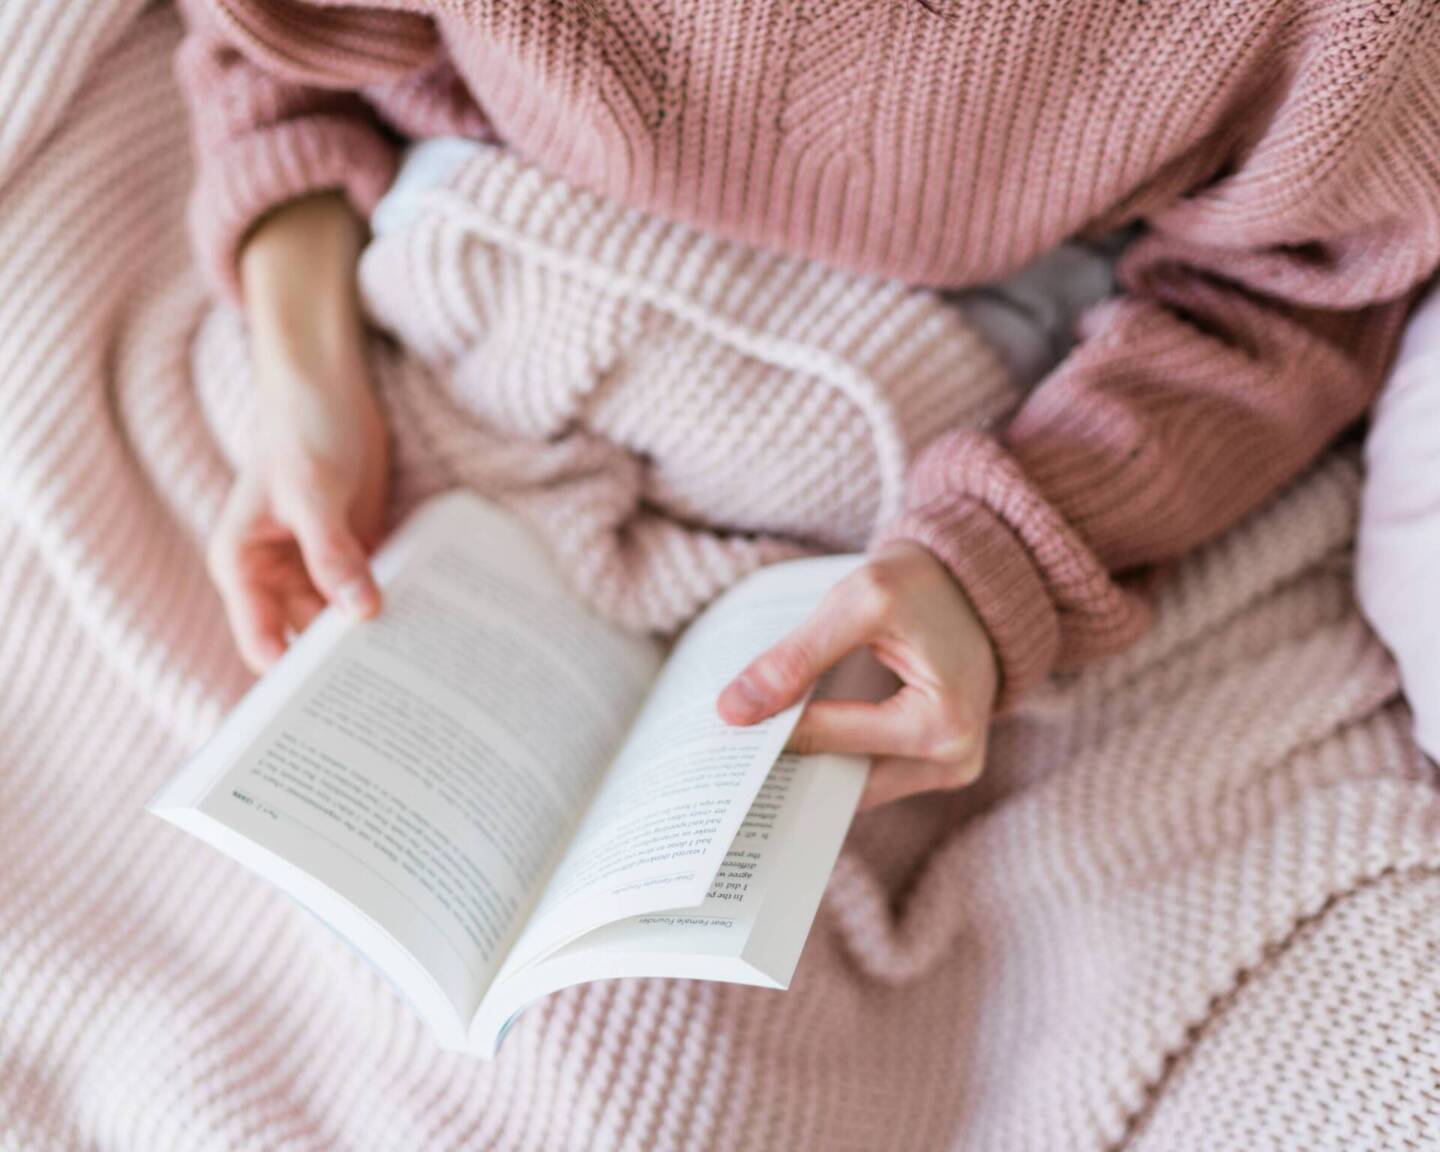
(255, 619)
(258, 628)
(333, 555)
(301, 608)
(895, 777)
(781, 676)
(856, 728)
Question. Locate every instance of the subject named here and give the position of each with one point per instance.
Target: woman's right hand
(307, 507)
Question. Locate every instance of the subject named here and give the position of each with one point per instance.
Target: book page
(430, 767)
(753, 922)
(723, 922)
(670, 804)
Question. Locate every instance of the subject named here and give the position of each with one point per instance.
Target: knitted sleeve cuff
(259, 171)
(997, 575)
(1045, 598)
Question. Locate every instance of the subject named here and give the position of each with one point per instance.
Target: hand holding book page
(413, 778)
(487, 770)
(672, 800)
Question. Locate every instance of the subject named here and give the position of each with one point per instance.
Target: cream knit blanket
(1192, 905)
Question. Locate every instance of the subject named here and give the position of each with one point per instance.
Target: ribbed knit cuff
(267, 168)
(1047, 600)
(996, 573)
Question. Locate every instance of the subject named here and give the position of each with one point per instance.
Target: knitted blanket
(1191, 905)
(669, 410)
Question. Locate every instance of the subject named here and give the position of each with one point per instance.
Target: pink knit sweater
(1285, 155)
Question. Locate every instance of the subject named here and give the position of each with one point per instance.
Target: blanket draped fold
(1191, 905)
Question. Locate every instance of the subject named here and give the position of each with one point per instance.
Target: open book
(493, 793)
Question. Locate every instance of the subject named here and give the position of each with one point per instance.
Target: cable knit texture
(1192, 904)
(668, 408)
(1283, 154)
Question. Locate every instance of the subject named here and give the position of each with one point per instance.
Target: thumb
(333, 555)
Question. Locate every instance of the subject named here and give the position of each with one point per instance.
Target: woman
(1282, 158)
(1281, 163)
(1192, 904)
(1277, 153)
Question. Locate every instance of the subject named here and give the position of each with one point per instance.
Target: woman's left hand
(904, 605)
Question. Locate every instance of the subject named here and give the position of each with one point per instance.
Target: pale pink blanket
(1192, 905)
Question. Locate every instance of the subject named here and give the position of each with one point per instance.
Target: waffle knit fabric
(1191, 905)
(1283, 154)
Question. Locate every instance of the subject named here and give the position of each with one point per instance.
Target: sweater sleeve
(265, 133)
(1256, 320)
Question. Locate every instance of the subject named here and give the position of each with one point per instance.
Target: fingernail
(357, 597)
(742, 698)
